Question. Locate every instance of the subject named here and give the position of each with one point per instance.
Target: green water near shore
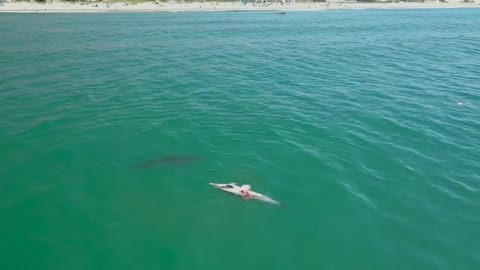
(365, 124)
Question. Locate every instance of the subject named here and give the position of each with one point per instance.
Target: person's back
(245, 190)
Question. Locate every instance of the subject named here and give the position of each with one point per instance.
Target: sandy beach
(67, 7)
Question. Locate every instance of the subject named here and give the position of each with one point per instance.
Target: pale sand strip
(59, 7)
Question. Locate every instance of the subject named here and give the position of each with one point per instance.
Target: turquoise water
(365, 124)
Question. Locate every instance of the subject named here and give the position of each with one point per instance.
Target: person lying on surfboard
(244, 191)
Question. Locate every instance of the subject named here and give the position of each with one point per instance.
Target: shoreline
(102, 7)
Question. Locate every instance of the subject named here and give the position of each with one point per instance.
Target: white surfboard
(234, 189)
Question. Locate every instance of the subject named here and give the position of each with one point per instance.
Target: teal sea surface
(364, 123)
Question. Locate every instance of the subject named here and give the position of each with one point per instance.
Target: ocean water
(365, 124)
